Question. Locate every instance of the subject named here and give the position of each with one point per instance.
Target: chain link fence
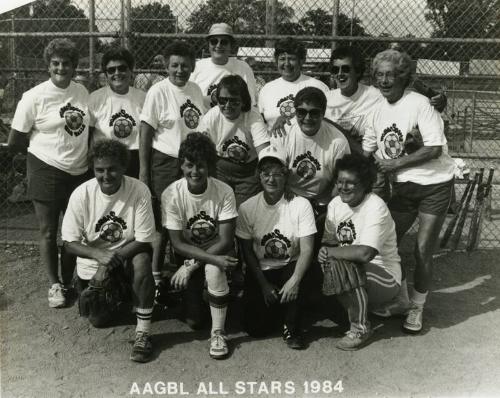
(455, 45)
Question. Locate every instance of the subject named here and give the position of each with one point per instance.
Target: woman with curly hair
(199, 213)
(52, 122)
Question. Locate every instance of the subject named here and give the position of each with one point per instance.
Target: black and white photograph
(258, 198)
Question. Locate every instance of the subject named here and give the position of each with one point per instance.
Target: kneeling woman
(199, 213)
(276, 233)
(359, 228)
(120, 204)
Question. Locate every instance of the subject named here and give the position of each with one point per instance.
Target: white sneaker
(395, 307)
(218, 345)
(56, 296)
(413, 322)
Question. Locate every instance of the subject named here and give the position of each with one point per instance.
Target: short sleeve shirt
(58, 120)
(275, 230)
(107, 221)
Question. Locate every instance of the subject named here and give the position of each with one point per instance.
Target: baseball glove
(341, 276)
(107, 292)
(413, 141)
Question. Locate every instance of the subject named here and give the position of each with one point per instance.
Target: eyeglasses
(341, 69)
(391, 76)
(313, 113)
(120, 68)
(266, 176)
(227, 100)
(223, 42)
(347, 184)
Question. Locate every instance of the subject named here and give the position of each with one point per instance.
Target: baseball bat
(453, 221)
(463, 215)
(477, 216)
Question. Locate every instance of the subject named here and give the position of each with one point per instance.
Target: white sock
(218, 317)
(157, 277)
(144, 316)
(418, 298)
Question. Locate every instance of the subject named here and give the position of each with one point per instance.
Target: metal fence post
(473, 117)
(335, 22)
(92, 39)
(270, 21)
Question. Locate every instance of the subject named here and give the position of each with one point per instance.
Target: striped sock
(157, 277)
(144, 316)
(218, 310)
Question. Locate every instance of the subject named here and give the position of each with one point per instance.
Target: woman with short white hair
(422, 177)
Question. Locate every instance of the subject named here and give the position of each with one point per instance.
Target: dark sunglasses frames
(119, 68)
(222, 42)
(313, 113)
(226, 100)
(341, 69)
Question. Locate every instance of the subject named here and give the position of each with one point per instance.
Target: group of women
(273, 172)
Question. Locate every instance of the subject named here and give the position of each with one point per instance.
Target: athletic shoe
(295, 341)
(143, 348)
(354, 340)
(395, 307)
(56, 296)
(218, 345)
(413, 322)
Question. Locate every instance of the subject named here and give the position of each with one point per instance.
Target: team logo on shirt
(276, 245)
(203, 228)
(236, 150)
(392, 139)
(191, 114)
(286, 107)
(111, 227)
(122, 124)
(346, 233)
(212, 93)
(73, 117)
(307, 165)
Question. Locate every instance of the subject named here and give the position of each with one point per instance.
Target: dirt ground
(55, 353)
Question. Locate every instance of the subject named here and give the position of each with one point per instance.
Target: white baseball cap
(220, 29)
(272, 152)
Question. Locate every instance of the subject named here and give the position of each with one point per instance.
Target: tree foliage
(464, 19)
(56, 16)
(154, 17)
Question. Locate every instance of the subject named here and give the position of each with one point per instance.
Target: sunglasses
(341, 69)
(119, 68)
(313, 113)
(223, 42)
(227, 100)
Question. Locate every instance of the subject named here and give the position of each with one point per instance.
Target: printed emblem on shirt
(191, 114)
(275, 245)
(236, 150)
(202, 227)
(212, 93)
(346, 233)
(111, 227)
(392, 139)
(73, 117)
(286, 107)
(122, 124)
(307, 165)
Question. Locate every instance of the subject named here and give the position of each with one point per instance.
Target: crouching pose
(109, 223)
(276, 231)
(199, 213)
(359, 230)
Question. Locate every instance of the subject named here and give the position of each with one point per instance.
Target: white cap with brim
(272, 152)
(220, 29)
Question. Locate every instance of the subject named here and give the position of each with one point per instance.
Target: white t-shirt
(351, 112)
(235, 140)
(388, 127)
(207, 75)
(117, 116)
(197, 216)
(368, 224)
(58, 120)
(107, 221)
(173, 112)
(276, 97)
(311, 160)
(275, 230)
